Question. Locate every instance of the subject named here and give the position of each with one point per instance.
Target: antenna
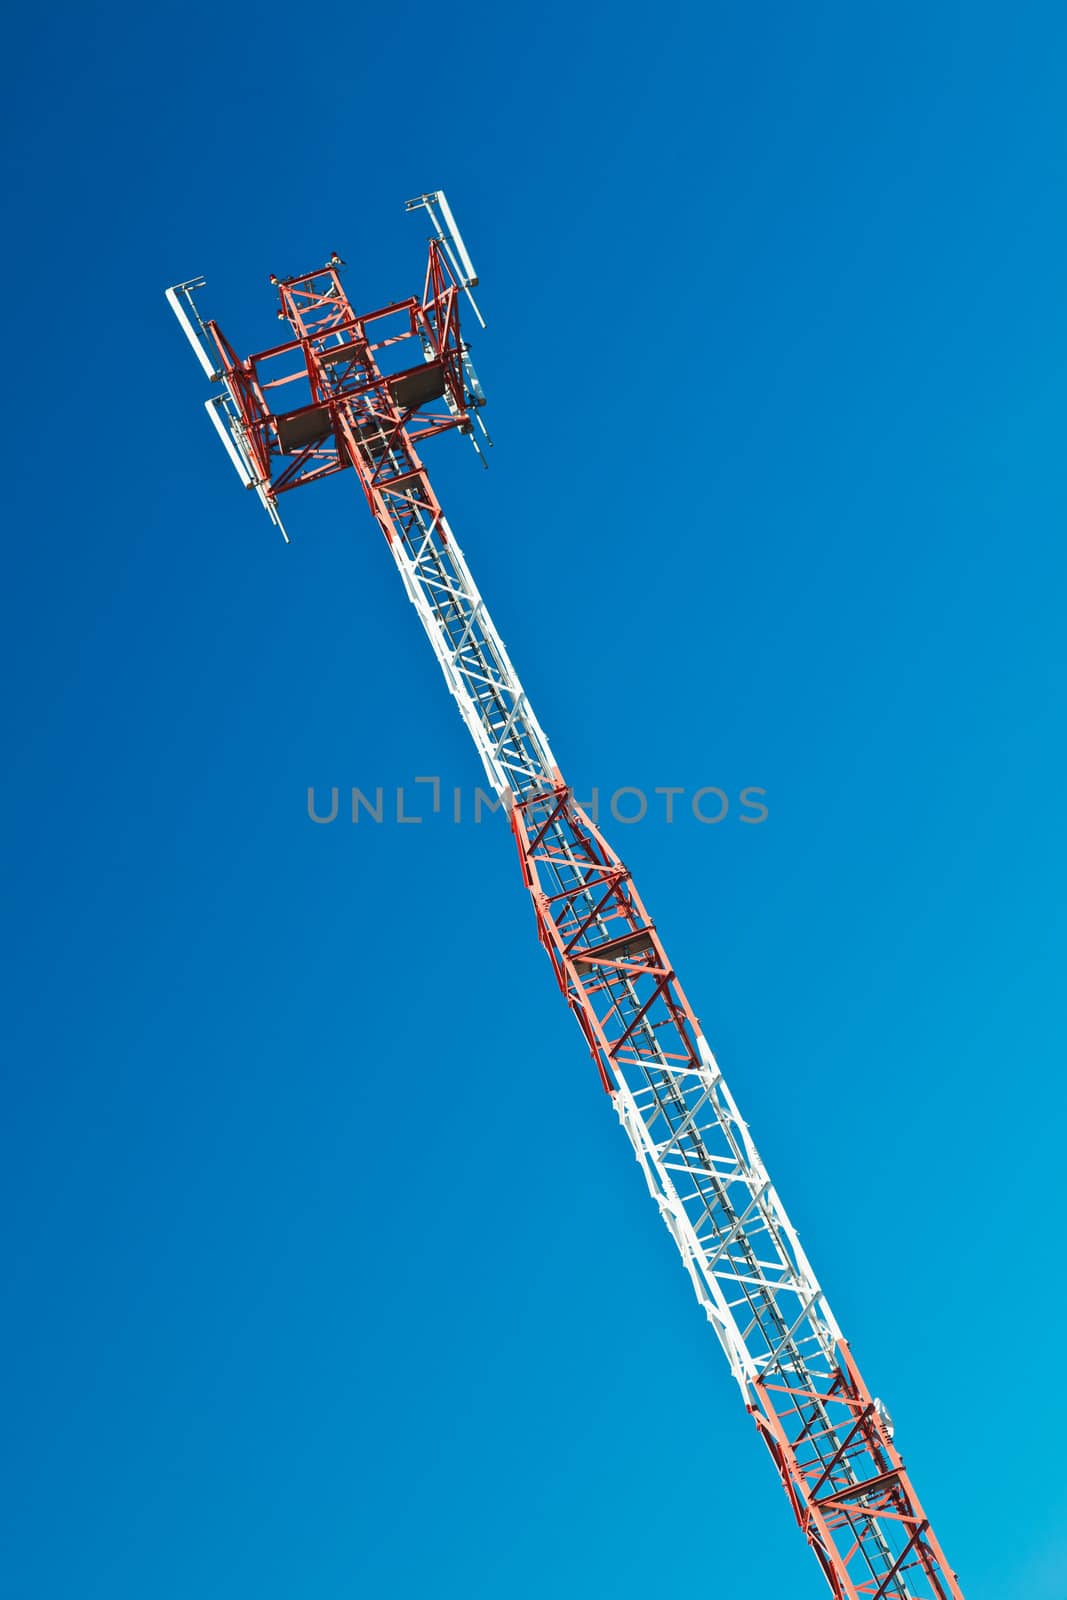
(185, 290)
(216, 411)
(458, 256)
(221, 408)
(451, 241)
(227, 425)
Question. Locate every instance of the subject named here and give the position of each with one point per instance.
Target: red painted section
(842, 1475)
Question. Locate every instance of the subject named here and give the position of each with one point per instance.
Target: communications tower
(359, 390)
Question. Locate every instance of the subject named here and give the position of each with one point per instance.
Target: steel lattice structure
(363, 408)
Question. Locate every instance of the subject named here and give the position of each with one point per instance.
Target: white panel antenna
(450, 239)
(185, 292)
(446, 231)
(222, 409)
(227, 424)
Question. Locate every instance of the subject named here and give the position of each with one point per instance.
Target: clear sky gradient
(328, 1271)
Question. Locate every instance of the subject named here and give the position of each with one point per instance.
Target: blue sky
(329, 1271)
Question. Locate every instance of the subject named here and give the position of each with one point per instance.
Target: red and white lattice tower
(371, 386)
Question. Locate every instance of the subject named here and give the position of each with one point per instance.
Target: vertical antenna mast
(352, 403)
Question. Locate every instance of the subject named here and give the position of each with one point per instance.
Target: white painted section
(761, 1174)
(705, 1285)
(479, 660)
(451, 241)
(214, 409)
(468, 277)
(184, 289)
